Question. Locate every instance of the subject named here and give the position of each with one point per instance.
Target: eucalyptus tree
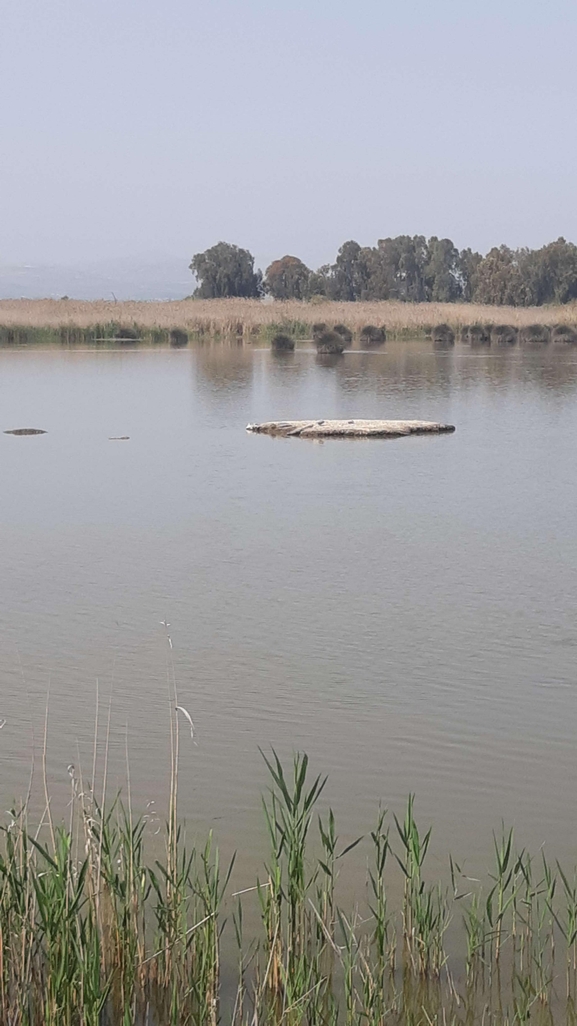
(225, 270)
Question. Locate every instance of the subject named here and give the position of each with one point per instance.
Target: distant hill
(167, 278)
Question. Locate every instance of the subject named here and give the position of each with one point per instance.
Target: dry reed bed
(246, 316)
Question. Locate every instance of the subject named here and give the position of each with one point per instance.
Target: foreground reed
(92, 933)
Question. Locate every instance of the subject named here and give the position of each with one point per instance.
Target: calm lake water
(403, 610)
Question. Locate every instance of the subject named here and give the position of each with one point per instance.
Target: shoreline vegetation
(252, 321)
(94, 932)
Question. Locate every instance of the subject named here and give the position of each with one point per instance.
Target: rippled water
(404, 610)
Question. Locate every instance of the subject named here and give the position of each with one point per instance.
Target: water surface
(404, 610)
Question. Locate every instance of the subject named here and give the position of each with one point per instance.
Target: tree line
(409, 268)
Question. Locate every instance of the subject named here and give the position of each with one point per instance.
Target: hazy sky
(132, 127)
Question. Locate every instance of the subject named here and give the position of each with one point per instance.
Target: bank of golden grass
(95, 931)
(251, 318)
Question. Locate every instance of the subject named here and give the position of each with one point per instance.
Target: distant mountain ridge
(167, 278)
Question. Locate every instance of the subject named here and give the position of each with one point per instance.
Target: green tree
(398, 269)
(442, 271)
(350, 274)
(319, 281)
(408, 268)
(561, 258)
(550, 273)
(225, 270)
(499, 279)
(287, 278)
(469, 261)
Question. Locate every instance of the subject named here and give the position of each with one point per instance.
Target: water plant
(346, 333)
(564, 334)
(534, 334)
(372, 336)
(479, 335)
(94, 932)
(330, 343)
(178, 337)
(126, 335)
(503, 334)
(443, 335)
(282, 342)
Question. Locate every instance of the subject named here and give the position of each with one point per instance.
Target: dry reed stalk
(102, 807)
(44, 772)
(224, 316)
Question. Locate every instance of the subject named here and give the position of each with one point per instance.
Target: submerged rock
(25, 431)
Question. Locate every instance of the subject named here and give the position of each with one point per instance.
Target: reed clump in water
(127, 336)
(503, 334)
(178, 338)
(282, 343)
(330, 343)
(93, 932)
(443, 335)
(344, 332)
(534, 335)
(479, 335)
(372, 336)
(564, 334)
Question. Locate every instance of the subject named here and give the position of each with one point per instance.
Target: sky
(145, 128)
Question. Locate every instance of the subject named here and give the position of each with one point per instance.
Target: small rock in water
(25, 431)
